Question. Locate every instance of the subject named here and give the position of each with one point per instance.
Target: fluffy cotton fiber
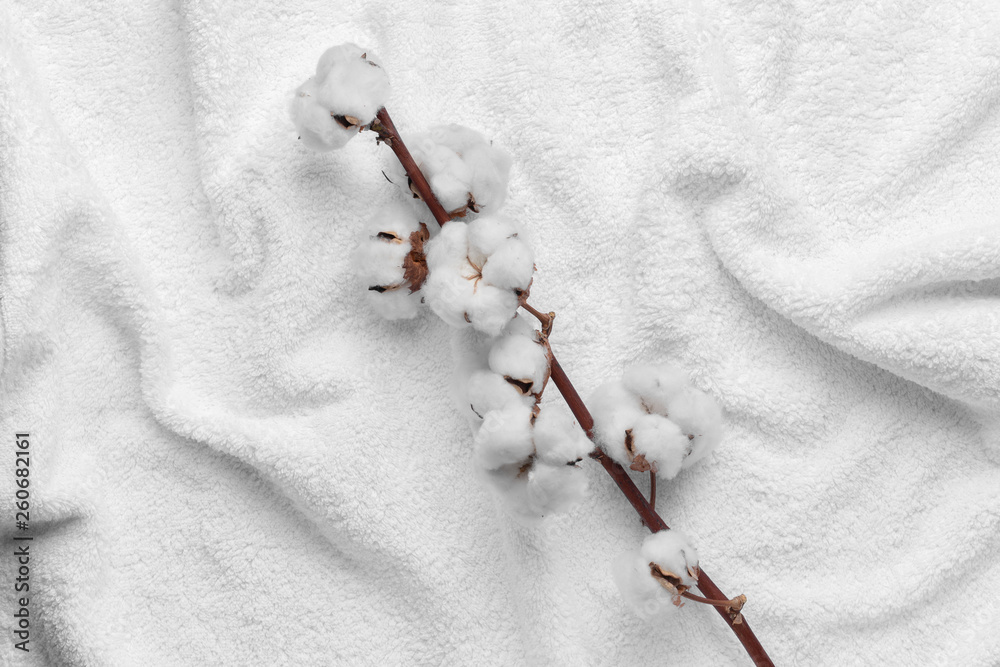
(461, 166)
(558, 439)
(522, 360)
(378, 262)
(504, 438)
(654, 413)
(456, 289)
(348, 84)
(673, 553)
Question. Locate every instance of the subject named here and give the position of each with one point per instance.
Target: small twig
(652, 490)
(545, 319)
(387, 133)
(732, 606)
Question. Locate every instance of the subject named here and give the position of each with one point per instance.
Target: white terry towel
(236, 463)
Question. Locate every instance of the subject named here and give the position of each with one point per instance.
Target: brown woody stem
(545, 319)
(652, 490)
(387, 132)
(730, 605)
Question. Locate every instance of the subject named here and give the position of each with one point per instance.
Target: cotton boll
(351, 83)
(486, 234)
(521, 325)
(491, 308)
(655, 385)
(448, 176)
(521, 359)
(698, 415)
(486, 167)
(615, 410)
(316, 127)
(448, 295)
(661, 442)
(397, 304)
(486, 391)
(490, 173)
(450, 248)
(512, 265)
(379, 263)
(448, 290)
(558, 439)
(673, 555)
(530, 495)
(644, 596)
(504, 438)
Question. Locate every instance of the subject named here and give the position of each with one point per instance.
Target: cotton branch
(726, 607)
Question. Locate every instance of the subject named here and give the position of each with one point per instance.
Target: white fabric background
(237, 463)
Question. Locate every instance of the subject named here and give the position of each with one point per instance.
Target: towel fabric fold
(235, 462)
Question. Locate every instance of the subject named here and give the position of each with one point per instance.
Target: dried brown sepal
(542, 339)
(389, 237)
(640, 464)
(415, 263)
(735, 607)
(344, 122)
(545, 319)
(473, 206)
(523, 470)
(629, 444)
(459, 212)
(523, 386)
(382, 136)
(466, 316)
(413, 188)
(670, 581)
(522, 298)
(732, 607)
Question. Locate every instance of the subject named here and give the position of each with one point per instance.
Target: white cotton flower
(558, 439)
(488, 165)
(616, 410)
(512, 265)
(351, 82)
(462, 168)
(523, 360)
(659, 441)
(504, 438)
(379, 262)
(486, 391)
(652, 420)
(532, 493)
(652, 578)
(699, 416)
(487, 233)
(316, 127)
(345, 94)
(655, 385)
(455, 289)
(521, 325)
(491, 308)
(382, 258)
